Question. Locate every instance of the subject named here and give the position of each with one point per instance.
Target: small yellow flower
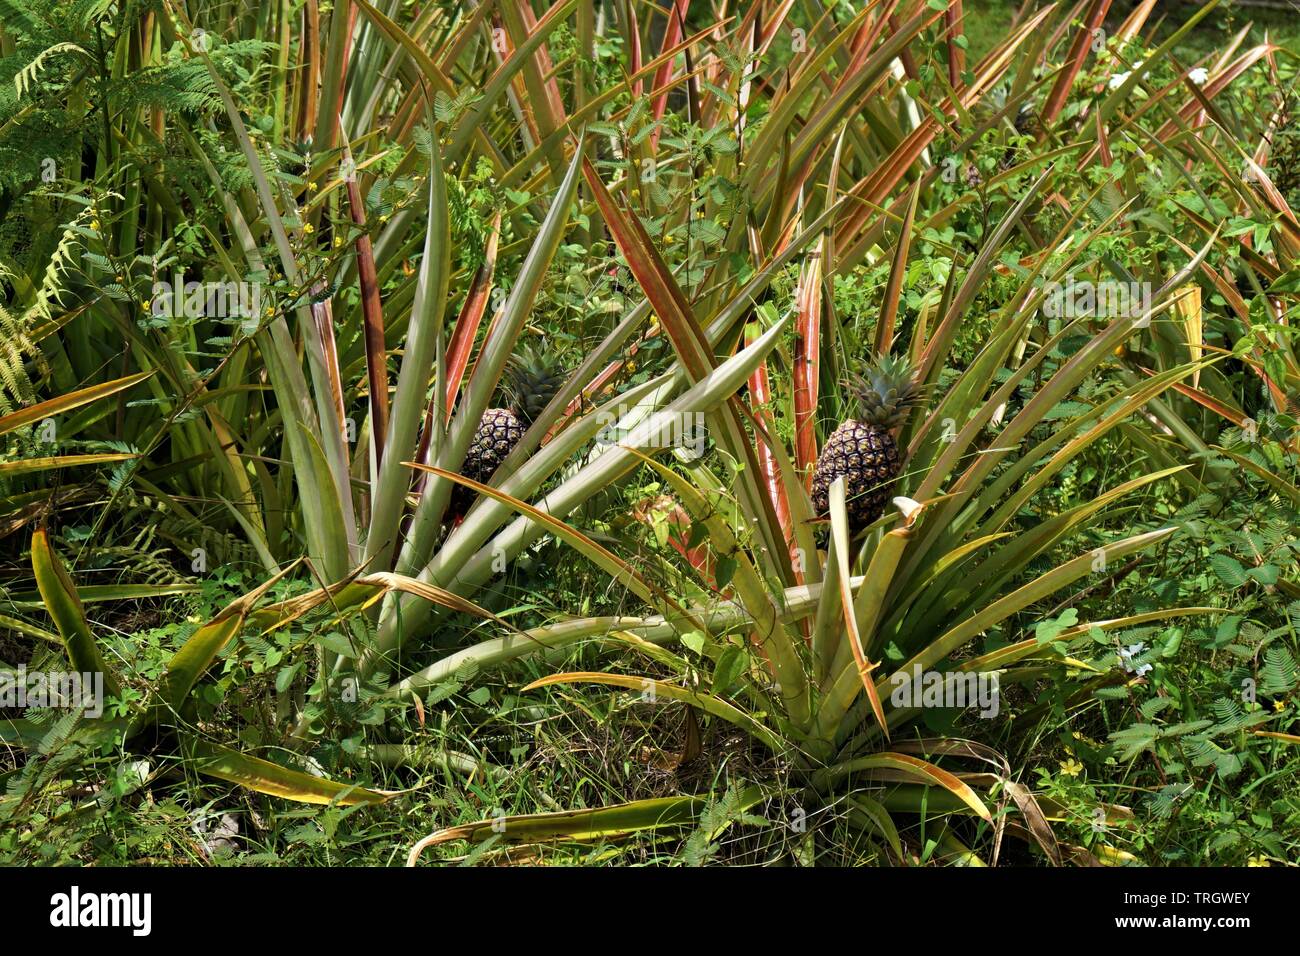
(338, 241)
(1279, 705)
(1071, 767)
(631, 366)
(308, 228)
(312, 187)
(669, 238)
(270, 311)
(384, 218)
(1258, 861)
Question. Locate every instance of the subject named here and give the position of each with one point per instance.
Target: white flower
(1127, 654)
(1119, 79)
(1199, 75)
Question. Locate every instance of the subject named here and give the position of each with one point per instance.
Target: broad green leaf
(263, 776)
(923, 770)
(61, 600)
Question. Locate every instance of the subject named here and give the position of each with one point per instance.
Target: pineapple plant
(1284, 155)
(862, 449)
(532, 378)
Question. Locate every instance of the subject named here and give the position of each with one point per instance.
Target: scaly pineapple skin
(867, 457)
(531, 380)
(496, 436)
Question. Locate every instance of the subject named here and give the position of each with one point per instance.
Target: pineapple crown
(886, 392)
(532, 377)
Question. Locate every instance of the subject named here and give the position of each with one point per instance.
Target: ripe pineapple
(532, 379)
(862, 448)
(1027, 122)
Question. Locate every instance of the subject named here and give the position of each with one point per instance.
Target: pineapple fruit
(1026, 123)
(532, 378)
(862, 449)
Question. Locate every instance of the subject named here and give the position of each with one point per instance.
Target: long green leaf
(61, 600)
(604, 822)
(263, 776)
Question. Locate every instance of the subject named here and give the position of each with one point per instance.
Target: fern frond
(1278, 675)
(16, 348)
(60, 262)
(27, 75)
